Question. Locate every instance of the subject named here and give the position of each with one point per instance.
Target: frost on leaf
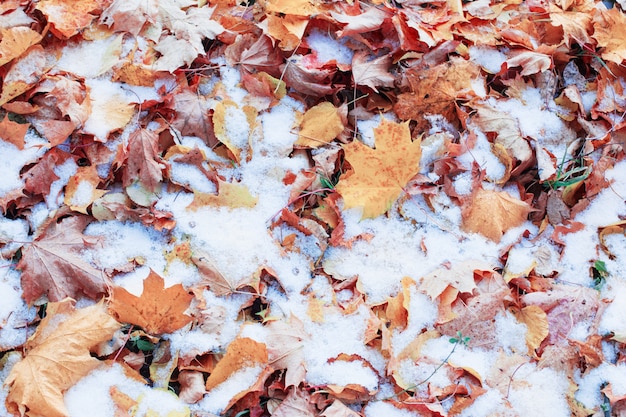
(58, 355)
(158, 310)
(379, 175)
(52, 264)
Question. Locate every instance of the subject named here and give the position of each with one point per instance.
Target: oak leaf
(492, 213)
(320, 125)
(379, 175)
(58, 356)
(158, 310)
(52, 264)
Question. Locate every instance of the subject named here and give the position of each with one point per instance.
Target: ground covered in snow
(293, 208)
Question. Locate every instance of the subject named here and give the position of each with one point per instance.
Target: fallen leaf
(339, 409)
(68, 17)
(244, 356)
(191, 386)
(82, 189)
(285, 346)
(13, 132)
(320, 125)
(292, 7)
(372, 72)
(491, 213)
(52, 264)
(144, 163)
(507, 129)
(537, 322)
(379, 175)
(16, 41)
(58, 356)
(230, 195)
(608, 31)
(297, 404)
(158, 310)
(25, 72)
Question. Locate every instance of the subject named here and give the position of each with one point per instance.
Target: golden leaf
(379, 175)
(58, 356)
(537, 322)
(320, 125)
(492, 213)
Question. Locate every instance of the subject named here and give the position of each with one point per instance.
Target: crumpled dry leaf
(158, 310)
(58, 356)
(379, 175)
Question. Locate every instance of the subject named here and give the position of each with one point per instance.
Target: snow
(489, 58)
(92, 395)
(15, 315)
(14, 159)
(482, 155)
(328, 49)
(103, 55)
(381, 408)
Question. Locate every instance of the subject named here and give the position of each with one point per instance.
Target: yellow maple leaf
(58, 356)
(379, 175)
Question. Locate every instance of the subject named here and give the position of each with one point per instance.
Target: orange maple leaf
(58, 356)
(379, 175)
(158, 310)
